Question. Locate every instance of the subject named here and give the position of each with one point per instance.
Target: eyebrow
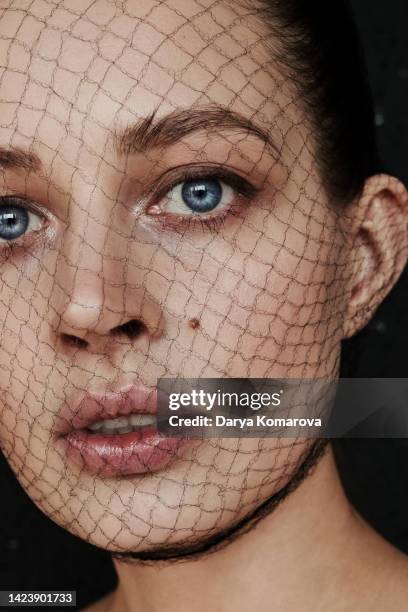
(14, 157)
(149, 133)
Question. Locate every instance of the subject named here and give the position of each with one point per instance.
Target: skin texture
(299, 557)
(266, 287)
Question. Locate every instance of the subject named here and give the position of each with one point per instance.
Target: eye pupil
(202, 195)
(200, 192)
(13, 222)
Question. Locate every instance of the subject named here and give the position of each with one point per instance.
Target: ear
(379, 247)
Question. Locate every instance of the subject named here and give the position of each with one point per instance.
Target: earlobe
(378, 249)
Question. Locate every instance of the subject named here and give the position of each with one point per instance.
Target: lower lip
(122, 454)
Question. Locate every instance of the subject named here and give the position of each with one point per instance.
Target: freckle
(194, 323)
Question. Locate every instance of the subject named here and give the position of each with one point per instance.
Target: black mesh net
(162, 215)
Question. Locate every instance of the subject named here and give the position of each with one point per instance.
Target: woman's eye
(202, 195)
(16, 220)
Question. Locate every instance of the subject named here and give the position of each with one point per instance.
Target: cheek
(26, 356)
(262, 297)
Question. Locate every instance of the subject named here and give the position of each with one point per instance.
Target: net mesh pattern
(162, 215)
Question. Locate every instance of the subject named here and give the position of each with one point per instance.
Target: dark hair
(319, 49)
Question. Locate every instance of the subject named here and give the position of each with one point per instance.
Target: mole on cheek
(194, 323)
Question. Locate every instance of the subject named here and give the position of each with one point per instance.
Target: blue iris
(13, 222)
(202, 195)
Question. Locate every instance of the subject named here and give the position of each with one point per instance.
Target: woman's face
(162, 216)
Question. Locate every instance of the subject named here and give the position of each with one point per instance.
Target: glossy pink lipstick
(115, 433)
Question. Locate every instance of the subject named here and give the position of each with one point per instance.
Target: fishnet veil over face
(118, 121)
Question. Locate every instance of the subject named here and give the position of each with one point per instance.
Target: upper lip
(85, 408)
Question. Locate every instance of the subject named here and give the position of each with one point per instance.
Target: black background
(36, 554)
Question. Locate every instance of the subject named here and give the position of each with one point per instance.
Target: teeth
(115, 423)
(123, 424)
(123, 430)
(142, 420)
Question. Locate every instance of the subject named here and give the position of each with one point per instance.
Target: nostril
(74, 341)
(132, 329)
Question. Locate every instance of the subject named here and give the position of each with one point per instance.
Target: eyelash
(243, 190)
(28, 238)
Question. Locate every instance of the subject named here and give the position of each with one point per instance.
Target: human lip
(115, 433)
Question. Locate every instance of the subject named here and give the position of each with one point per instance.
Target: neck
(304, 548)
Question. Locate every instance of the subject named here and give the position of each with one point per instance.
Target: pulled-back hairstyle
(319, 49)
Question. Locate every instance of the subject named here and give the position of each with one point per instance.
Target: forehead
(114, 61)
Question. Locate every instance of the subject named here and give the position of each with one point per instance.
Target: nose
(95, 310)
(98, 289)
